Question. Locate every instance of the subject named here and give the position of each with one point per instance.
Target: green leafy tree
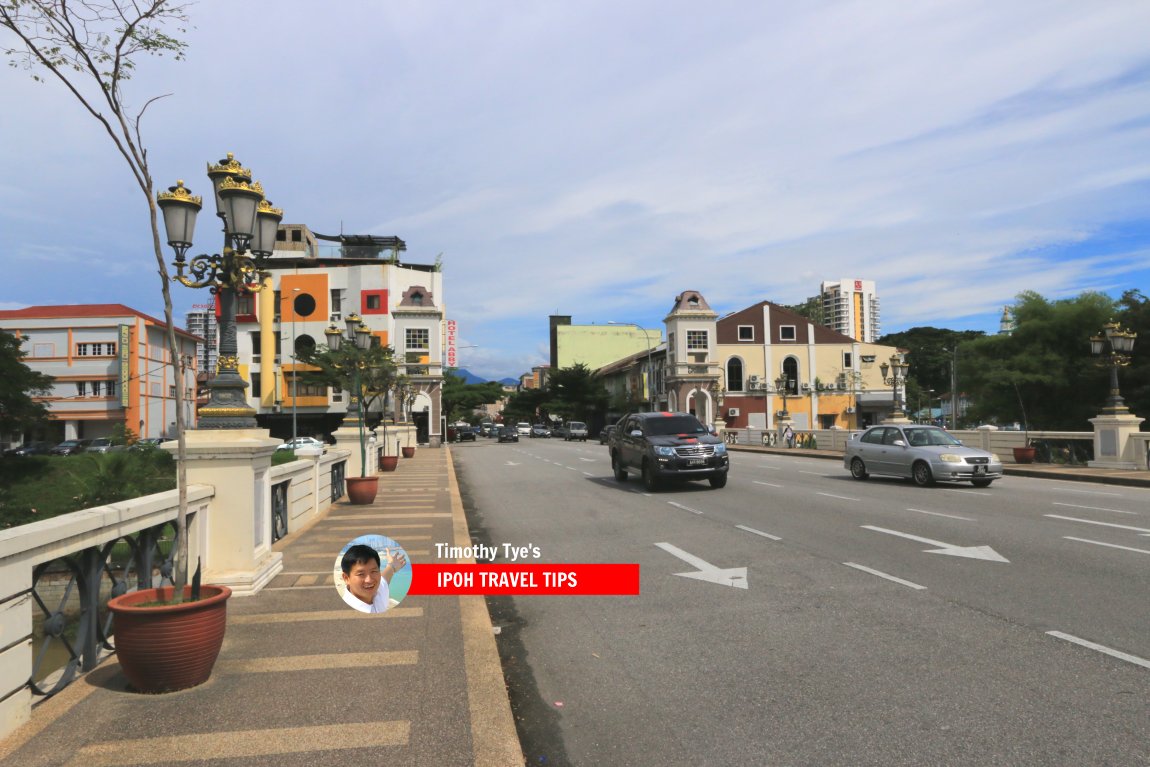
(525, 405)
(812, 309)
(377, 371)
(1134, 381)
(19, 385)
(91, 48)
(461, 399)
(1042, 374)
(930, 352)
(575, 393)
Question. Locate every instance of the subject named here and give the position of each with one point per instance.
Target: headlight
(720, 449)
(664, 450)
(994, 458)
(950, 458)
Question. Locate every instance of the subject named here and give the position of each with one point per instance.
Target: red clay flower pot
(408, 452)
(1023, 454)
(389, 462)
(169, 647)
(361, 490)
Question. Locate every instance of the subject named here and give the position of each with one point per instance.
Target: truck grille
(694, 451)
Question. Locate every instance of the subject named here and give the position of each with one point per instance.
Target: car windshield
(929, 436)
(675, 424)
(578, 425)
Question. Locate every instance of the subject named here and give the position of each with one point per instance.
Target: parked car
(540, 431)
(666, 446)
(523, 428)
(509, 434)
(560, 431)
(605, 434)
(30, 448)
(299, 442)
(575, 430)
(70, 447)
(103, 445)
(468, 434)
(145, 443)
(925, 454)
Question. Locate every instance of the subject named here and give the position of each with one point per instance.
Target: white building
(851, 307)
(202, 322)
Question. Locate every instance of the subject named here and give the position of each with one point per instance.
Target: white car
(299, 442)
(523, 429)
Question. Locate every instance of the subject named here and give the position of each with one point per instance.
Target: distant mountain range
(470, 378)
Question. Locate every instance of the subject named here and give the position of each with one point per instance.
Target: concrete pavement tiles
(304, 680)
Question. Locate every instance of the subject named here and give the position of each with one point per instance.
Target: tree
(1134, 314)
(575, 393)
(377, 372)
(19, 384)
(930, 353)
(812, 309)
(1044, 367)
(460, 397)
(91, 47)
(525, 405)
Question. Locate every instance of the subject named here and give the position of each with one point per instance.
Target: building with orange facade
(112, 370)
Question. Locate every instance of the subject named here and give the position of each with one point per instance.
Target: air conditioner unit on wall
(850, 411)
(335, 317)
(805, 387)
(732, 412)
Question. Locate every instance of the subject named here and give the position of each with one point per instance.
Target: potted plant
(166, 644)
(1024, 454)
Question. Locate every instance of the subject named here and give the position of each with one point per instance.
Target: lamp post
(1120, 343)
(250, 225)
(781, 384)
(650, 370)
(897, 368)
(359, 339)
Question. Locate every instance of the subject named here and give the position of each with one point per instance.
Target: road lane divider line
(768, 484)
(966, 492)
(684, 508)
(887, 576)
(940, 514)
(758, 532)
(840, 497)
(1110, 545)
(1100, 648)
(1096, 508)
(1101, 524)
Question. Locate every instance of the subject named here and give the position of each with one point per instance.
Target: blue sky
(598, 158)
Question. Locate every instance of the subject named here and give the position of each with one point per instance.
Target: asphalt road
(857, 640)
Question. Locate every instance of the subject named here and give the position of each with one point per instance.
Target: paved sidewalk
(303, 680)
(1042, 470)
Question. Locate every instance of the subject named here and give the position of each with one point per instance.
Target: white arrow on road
(735, 577)
(512, 463)
(972, 552)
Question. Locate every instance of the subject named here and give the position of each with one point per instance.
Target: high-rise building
(850, 307)
(201, 321)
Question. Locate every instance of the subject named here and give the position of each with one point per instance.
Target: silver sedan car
(925, 454)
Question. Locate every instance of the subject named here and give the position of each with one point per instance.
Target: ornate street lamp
(898, 368)
(250, 225)
(358, 338)
(1121, 343)
(781, 384)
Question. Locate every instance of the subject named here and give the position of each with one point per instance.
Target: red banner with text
(522, 580)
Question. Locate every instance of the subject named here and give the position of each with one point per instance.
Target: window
(281, 235)
(417, 299)
(746, 332)
(787, 333)
(245, 305)
(96, 349)
(734, 374)
(310, 390)
(847, 360)
(372, 301)
(296, 235)
(336, 300)
(255, 336)
(81, 388)
(417, 338)
(696, 340)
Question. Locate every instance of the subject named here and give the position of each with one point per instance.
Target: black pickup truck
(667, 446)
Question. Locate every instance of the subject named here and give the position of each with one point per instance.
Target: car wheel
(981, 482)
(718, 480)
(858, 469)
(620, 472)
(922, 475)
(650, 478)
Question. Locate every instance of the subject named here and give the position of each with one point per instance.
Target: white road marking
(949, 549)
(818, 474)
(1102, 524)
(735, 577)
(1090, 492)
(940, 514)
(684, 508)
(512, 463)
(588, 460)
(840, 497)
(1101, 648)
(968, 492)
(588, 474)
(759, 532)
(570, 468)
(1095, 508)
(884, 575)
(768, 484)
(1111, 545)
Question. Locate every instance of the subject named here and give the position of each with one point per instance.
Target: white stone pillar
(1113, 444)
(237, 462)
